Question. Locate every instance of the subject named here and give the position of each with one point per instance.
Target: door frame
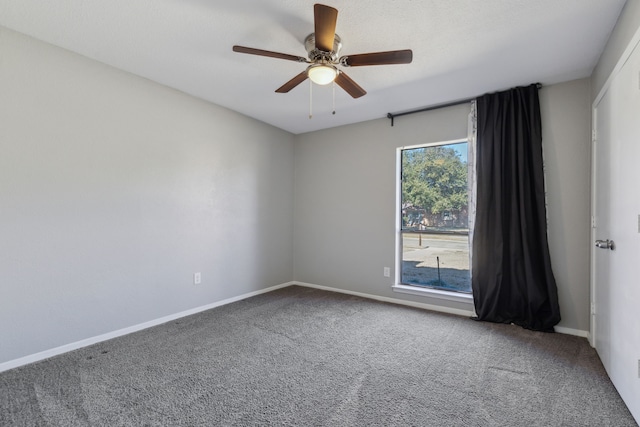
(592, 228)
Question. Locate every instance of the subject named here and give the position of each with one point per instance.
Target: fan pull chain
(310, 99)
(334, 97)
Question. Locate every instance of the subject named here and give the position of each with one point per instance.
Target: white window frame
(397, 285)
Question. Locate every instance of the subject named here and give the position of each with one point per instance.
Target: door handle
(605, 244)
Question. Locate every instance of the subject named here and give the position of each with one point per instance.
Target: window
(434, 217)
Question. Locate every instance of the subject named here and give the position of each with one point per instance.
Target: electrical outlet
(387, 272)
(197, 278)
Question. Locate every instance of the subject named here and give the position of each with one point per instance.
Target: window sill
(433, 293)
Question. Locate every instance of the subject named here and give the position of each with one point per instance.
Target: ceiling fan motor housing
(316, 55)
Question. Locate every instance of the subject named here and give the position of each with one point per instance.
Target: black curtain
(512, 279)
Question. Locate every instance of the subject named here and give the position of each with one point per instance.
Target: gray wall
(114, 190)
(626, 27)
(566, 133)
(345, 198)
(344, 222)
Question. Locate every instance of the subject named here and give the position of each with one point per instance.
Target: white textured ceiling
(461, 48)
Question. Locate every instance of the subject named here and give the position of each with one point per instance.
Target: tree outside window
(435, 217)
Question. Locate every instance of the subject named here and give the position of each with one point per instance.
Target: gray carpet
(305, 357)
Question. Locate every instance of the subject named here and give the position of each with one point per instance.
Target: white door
(616, 274)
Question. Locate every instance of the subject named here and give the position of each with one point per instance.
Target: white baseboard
(11, 364)
(432, 307)
(467, 313)
(571, 331)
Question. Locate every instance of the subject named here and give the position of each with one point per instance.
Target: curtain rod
(435, 107)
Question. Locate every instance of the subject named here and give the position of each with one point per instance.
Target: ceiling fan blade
(378, 58)
(252, 51)
(293, 82)
(325, 18)
(351, 87)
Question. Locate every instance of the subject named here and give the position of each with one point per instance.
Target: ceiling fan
(323, 48)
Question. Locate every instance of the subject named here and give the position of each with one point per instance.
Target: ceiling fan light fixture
(322, 74)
